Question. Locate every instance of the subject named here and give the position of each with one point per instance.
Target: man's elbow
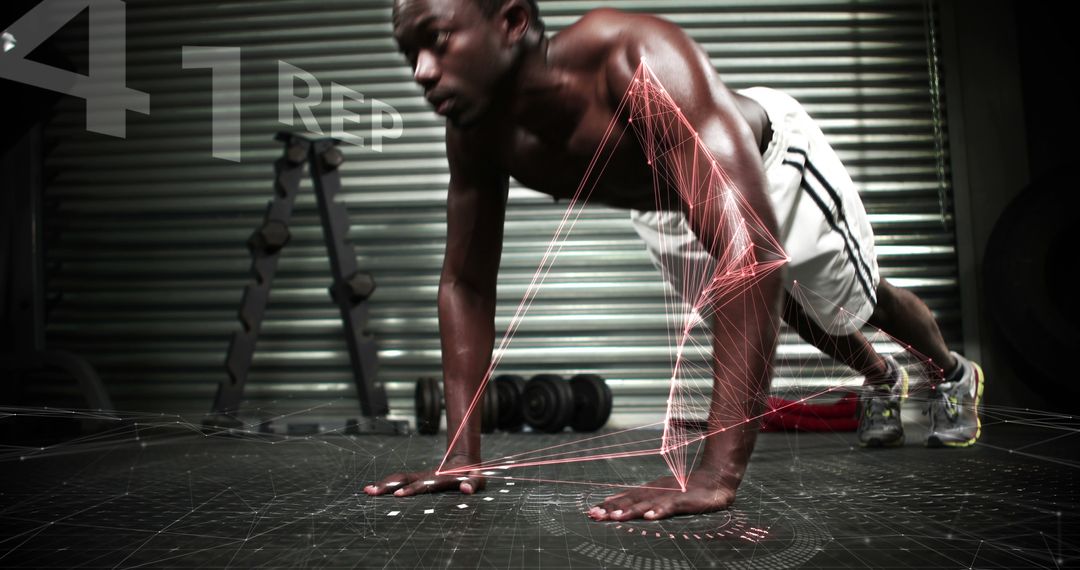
(455, 289)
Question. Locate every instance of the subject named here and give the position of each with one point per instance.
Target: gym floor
(164, 495)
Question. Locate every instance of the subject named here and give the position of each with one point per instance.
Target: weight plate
(489, 410)
(1028, 281)
(510, 389)
(592, 402)
(549, 403)
(428, 400)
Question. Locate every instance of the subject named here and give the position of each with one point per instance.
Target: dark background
(1011, 117)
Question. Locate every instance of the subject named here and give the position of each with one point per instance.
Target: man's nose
(427, 69)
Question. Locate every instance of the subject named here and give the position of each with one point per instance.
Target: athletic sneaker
(954, 408)
(879, 410)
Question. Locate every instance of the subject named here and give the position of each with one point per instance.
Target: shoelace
(950, 407)
(876, 408)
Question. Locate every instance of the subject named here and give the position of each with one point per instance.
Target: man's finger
(615, 497)
(635, 511)
(388, 483)
(430, 483)
(469, 485)
(417, 487)
(618, 504)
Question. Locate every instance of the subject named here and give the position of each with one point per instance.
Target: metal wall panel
(147, 233)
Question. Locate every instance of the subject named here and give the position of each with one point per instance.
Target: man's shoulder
(609, 32)
(626, 24)
(617, 40)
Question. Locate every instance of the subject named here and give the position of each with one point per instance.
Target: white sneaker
(954, 408)
(879, 410)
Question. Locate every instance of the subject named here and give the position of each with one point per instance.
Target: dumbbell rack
(350, 289)
(547, 403)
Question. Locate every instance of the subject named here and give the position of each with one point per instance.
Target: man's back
(552, 128)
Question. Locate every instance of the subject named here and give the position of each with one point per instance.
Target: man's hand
(418, 482)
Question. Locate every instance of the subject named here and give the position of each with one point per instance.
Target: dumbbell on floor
(501, 406)
(551, 403)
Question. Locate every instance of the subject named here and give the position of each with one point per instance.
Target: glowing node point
(489, 498)
(462, 478)
(429, 482)
(510, 484)
(393, 483)
(504, 490)
(393, 513)
(429, 511)
(463, 506)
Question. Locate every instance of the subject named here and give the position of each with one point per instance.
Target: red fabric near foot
(787, 415)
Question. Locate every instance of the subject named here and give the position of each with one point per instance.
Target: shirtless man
(520, 104)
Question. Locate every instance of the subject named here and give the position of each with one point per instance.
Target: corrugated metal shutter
(148, 232)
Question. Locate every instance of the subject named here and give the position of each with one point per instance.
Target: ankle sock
(956, 373)
(887, 382)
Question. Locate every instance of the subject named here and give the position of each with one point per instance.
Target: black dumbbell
(429, 406)
(270, 237)
(510, 390)
(499, 408)
(551, 403)
(357, 287)
(592, 402)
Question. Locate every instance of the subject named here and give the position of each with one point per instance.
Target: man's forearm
(737, 402)
(467, 329)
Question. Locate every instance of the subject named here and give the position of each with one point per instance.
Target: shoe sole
(904, 381)
(933, 441)
(878, 443)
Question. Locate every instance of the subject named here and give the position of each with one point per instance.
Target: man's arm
(475, 211)
(709, 108)
(738, 229)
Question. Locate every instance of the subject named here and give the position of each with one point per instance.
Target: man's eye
(441, 38)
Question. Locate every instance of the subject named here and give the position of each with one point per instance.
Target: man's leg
(745, 328)
(905, 317)
(853, 350)
(886, 382)
(954, 414)
(958, 382)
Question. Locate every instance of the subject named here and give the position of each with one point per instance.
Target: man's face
(457, 55)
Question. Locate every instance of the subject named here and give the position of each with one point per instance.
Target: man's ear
(515, 17)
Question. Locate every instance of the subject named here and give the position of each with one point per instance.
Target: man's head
(461, 51)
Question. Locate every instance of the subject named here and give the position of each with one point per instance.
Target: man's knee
(886, 304)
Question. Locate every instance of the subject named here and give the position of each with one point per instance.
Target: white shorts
(833, 272)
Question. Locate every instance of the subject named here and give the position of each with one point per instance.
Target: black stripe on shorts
(850, 244)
